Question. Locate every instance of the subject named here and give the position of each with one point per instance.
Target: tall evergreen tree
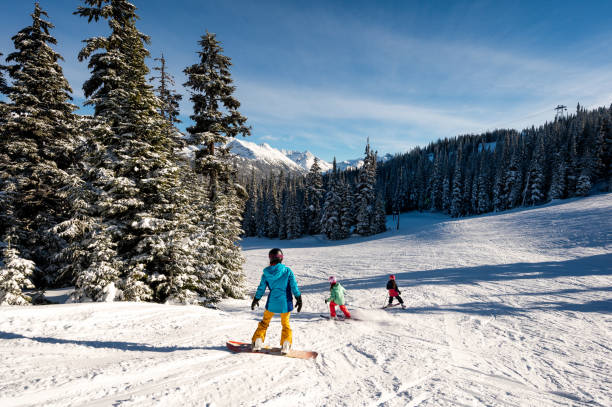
(436, 181)
(272, 210)
(314, 195)
(366, 193)
(456, 206)
(558, 182)
(514, 179)
(136, 219)
(379, 219)
(347, 207)
(500, 194)
(217, 120)
(3, 90)
(484, 185)
(37, 148)
(249, 223)
(294, 215)
(331, 220)
(535, 193)
(169, 108)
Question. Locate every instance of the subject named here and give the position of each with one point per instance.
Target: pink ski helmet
(332, 280)
(392, 277)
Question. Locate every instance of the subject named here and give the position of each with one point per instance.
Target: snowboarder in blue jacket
(279, 279)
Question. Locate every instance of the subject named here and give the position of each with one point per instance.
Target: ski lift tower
(561, 112)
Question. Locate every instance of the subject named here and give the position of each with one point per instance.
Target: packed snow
(504, 309)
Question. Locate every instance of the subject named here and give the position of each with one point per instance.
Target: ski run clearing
(509, 309)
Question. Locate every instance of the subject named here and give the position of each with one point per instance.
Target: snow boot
(257, 345)
(286, 347)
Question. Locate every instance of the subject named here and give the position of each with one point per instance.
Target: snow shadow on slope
(498, 308)
(412, 223)
(126, 346)
(599, 265)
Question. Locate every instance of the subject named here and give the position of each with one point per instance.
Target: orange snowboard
(246, 347)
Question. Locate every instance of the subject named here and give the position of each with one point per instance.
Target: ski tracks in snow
(506, 309)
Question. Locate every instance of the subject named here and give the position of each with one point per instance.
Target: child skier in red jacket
(394, 291)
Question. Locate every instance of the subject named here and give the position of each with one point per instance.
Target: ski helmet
(332, 280)
(392, 277)
(275, 255)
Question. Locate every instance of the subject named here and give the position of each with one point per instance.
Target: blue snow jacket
(281, 282)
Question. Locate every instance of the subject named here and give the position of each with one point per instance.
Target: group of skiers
(281, 282)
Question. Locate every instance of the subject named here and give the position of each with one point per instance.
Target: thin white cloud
(290, 103)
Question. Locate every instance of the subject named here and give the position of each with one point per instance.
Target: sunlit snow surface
(505, 309)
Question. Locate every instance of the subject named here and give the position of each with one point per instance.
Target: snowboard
(235, 346)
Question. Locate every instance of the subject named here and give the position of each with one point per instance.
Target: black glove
(298, 303)
(399, 292)
(326, 301)
(254, 303)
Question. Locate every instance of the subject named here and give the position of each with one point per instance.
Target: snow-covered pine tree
(37, 148)
(217, 120)
(514, 179)
(365, 193)
(224, 256)
(572, 164)
(436, 181)
(584, 183)
(456, 205)
(136, 215)
(599, 147)
(248, 223)
(475, 193)
(379, 221)
(314, 194)
(294, 215)
(260, 217)
(272, 210)
(282, 222)
(3, 90)
(15, 273)
(446, 194)
(169, 108)
(500, 198)
(347, 207)
(557, 184)
(331, 220)
(535, 193)
(484, 187)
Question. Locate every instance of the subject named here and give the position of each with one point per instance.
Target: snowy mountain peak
(263, 154)
(305, 159)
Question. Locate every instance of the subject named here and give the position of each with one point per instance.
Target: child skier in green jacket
(336, 297)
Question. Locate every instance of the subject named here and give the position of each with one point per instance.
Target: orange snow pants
(262, 327)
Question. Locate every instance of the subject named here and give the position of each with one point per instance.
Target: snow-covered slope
(511, 309)
(305, 159)
(262, 156)
(350, 164)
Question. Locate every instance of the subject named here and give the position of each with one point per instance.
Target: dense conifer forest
(460, 176)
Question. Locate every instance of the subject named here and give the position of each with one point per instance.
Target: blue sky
(325, 75)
